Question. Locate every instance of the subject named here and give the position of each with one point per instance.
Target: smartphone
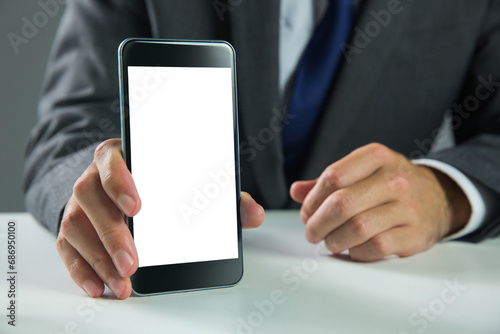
(180, 141)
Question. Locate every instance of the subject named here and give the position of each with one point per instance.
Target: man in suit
(374, 183)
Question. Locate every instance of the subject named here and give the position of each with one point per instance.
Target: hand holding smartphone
(180, 142)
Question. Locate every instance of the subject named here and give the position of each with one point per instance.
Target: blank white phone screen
(183, 164)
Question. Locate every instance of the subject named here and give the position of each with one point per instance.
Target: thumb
(252, 214)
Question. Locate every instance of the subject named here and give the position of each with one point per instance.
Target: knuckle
(333, 177)
(108, 236)
(312, 232)
(60, 243)
(340, 202)
(306, 210)
(102, 149)
(69, 224)
(330, 247)
(411, 208)
(75, 267)
(110, 173)
(380, 245)
(112, 183)
(88, 182)
(426, 241)
(400, 183)
(331, 244)
(99, 264)
(359, 225)
(107, 180)
(379, 149)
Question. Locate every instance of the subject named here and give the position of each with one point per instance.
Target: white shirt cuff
(477, 202)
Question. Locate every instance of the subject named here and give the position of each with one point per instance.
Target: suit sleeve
(476, 120)
(79, 106)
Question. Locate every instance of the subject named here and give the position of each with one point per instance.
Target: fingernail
(123, 261)
(303, 217)
(126, 203)
(90, 288)
(115, 286)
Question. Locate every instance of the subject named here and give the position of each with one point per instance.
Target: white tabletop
(289, 286)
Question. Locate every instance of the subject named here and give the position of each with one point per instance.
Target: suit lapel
(254, 34)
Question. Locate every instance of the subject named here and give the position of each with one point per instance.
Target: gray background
(20, 82)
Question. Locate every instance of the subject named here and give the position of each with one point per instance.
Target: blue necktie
(313, 79)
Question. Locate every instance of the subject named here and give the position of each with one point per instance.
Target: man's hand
(94, 241)
(375, 202)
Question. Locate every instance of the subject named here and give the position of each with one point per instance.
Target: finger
(300, 189)
(252, 214)
(401, 241)
(107, 220)
(79, 234)
(353, 168)
(115, 177)
(364, 226)
(348, 202)
(80, 271)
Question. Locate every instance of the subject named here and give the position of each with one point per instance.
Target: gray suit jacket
(400, 76)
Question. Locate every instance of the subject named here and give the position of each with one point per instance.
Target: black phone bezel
(180, 53)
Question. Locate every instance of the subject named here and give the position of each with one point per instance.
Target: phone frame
(180, 53)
